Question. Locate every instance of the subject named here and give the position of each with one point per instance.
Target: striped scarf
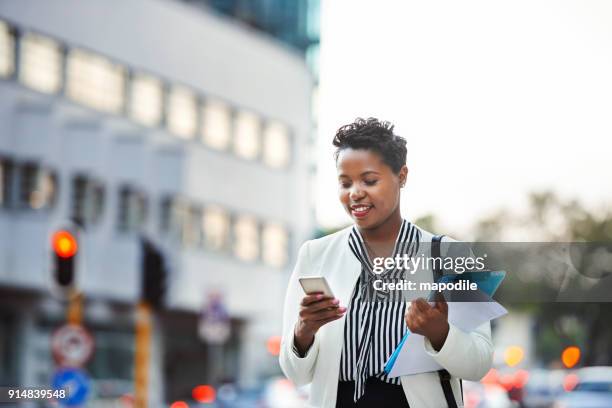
(375, 319)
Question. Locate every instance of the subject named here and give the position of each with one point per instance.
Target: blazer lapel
(346, 271)
(342, 270)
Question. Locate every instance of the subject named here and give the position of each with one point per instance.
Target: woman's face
(368, 189)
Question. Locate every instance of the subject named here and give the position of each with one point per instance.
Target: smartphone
(313, 284)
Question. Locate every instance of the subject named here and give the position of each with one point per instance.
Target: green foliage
(428, 222)
(551, 219)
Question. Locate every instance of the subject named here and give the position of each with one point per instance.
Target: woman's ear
(403, 175)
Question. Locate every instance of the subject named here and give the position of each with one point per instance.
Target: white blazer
(464, 355)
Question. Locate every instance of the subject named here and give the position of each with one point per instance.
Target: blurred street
(152, 162)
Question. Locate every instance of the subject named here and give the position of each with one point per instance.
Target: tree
(551, 219)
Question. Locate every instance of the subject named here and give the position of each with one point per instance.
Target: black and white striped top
(375, 320)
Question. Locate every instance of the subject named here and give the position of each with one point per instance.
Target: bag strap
(435, 253)
(443, 375)
(445, 378)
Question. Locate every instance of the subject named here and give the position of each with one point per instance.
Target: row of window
(45, 65)
(211, 227)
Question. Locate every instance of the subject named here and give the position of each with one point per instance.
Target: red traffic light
(64, 244)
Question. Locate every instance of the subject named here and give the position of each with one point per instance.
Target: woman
(340, 345)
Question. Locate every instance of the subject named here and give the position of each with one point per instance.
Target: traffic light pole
(144, 318)
(75, 309)
(153, 287)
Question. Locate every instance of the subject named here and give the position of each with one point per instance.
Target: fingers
(414, 320)
(421, 305)
(441, 304)
(315, 321)
(317, 308)
(312, 298)
(414, 316)
(439, 297)
(419, 316)
(323, 305)
(329, 314)
(331, 319)
(308, 315)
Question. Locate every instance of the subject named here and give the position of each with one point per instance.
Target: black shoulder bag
(444, 375)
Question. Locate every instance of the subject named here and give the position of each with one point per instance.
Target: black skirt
(378, 394)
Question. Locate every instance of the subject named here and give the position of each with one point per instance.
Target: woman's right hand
(316, 310)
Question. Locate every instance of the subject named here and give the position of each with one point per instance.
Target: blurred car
(477, 395)
(543, 387)
(280, 392)
(593, 390)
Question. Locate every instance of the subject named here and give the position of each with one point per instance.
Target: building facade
(149, 118)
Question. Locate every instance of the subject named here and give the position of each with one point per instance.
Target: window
(165, 215)
(276, 145)
(216, 228)
(6, 175)
(174, 213)
(182, 222)
(132, 209)
(79, 198)
(37, 187)
(274, 245)
(246, 135)
(216, 124)
(7, 50)
(40, 67)
(182, 112)
(95, 81)
(246, 238)
(146, 99)
(87, 200)
(192, 229)
(114, 356)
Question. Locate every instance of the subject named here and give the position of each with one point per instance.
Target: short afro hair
(372, 134)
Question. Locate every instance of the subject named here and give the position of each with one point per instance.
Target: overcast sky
(496, 99)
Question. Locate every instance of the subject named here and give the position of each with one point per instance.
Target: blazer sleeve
(465, 355)
(298, 369)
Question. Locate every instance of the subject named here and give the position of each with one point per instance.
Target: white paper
(413, 359)
(466, 316)
(469, 315)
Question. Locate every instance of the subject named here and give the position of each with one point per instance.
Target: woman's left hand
(429, 321)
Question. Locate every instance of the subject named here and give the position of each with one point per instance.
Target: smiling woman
(371, 170)
(341, 344)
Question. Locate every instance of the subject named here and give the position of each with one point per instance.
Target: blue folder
(487, 282)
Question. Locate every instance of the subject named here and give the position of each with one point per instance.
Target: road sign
(76, 383)
(215, 325)
(72, 345)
